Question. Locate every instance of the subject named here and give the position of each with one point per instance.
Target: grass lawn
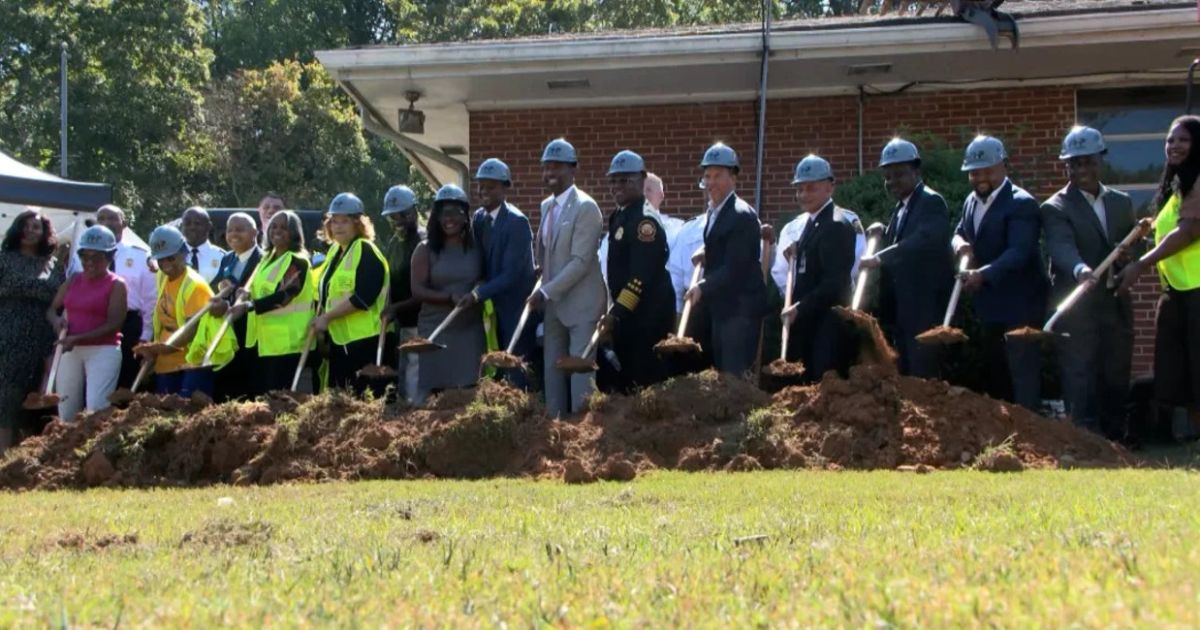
(950, 549)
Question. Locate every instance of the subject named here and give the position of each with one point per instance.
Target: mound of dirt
(705, 421)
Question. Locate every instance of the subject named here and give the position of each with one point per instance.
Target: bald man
(236, 268)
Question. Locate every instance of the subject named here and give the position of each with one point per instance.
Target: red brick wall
(672, 138)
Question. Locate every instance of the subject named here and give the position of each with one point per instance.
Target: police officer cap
(559, 150)
(897, 151)
(398, 199)
(165, 241)
(984, 151)
(451, 192)
(626, 162)
(346, 203)
(719, 154)
(98, 239)
(1082, 141)
(812, 169)
(495, 170)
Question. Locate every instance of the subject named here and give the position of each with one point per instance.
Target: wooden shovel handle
(687, 304)
(954, 295)
(512, 343)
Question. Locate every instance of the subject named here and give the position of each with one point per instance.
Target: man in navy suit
(915, 262)
(732, 294)
(502, 233)
(234, 380)
(999, 231)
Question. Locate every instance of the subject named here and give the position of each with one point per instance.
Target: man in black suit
(824, 257)
(999, 231)
(1084, 222)
(915, 265)
(732, 293)
(234, 380)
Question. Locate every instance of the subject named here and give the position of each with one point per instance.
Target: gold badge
(647, 230)
(620, 233)
(129, 263)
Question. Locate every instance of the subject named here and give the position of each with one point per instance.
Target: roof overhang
(1152, 44)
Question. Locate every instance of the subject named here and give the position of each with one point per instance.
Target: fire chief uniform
(643, 300)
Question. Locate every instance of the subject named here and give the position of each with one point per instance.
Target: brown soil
(706, 421)
(784, 369)
(942, 335)
(377, 371)
(575, 365)
(121, 396)
(1026, 332)
(873, 347)
(38, 400)
(505, 360)
(675, 345)
(419, 344)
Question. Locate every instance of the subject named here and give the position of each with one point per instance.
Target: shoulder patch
(647, 230)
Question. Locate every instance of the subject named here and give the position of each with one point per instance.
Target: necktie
(195, 262)
(485, 235)
(901, 214)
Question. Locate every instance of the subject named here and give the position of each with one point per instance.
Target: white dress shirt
(1101, 215)
(688, 239)
(792, 232)
(560, 202)
(715, 211)
(210, 259)
(982, 205)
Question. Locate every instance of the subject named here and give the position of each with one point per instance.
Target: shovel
(47, 399)
(506, 359)
(584, 363)
(781, 367)
(680, 343)
(379, 370)
(945, 334)
(122, 395)
(1138, 232)
(212, 347)
(418, 345)
(308, 342)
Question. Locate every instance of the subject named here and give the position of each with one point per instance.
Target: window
(1134, 122)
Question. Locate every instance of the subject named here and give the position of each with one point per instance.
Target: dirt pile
(706, 421)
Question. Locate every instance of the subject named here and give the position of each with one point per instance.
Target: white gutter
(518, 57)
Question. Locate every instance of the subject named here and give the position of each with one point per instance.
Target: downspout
(762, 108)
(862, 97)
(373, 122)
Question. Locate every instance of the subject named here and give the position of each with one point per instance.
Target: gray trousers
(1096, 360)
(566, 393)
(735, 344)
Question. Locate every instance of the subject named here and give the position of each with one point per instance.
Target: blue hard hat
(984, 151)
(559, 150)
(626, 162)
(1082, 141)
(451, 192)
(166, 241)
(897, 151)
(719, 154)
(98, 239)
(495, 170)
(346, 203)
(812, 168)
(398, 199)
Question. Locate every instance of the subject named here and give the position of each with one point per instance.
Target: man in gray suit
(1084, 222)
(572, 290)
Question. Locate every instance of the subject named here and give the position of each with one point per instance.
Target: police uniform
(643, 301)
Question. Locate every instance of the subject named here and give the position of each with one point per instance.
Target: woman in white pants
(94, 305)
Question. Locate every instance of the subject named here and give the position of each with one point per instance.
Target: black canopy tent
(24, 185)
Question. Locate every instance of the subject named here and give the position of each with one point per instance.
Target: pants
(86, 376)
(566, 393)
(826, 343)
(1177, 349)
(915, 358)
(241, 378)
(185, 382)
(1096, 358)
(345, 362)
(734, 342)
(131, 335)
(1014, 366)
(407, 366)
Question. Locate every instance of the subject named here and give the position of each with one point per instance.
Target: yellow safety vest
(283, 330)
(206, 331)
(1180, 271)
(191, 280)
(357, 325)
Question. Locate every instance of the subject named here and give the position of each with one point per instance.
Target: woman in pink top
(94, 305)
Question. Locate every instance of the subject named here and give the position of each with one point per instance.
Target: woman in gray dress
(30, 273)
(445, 267)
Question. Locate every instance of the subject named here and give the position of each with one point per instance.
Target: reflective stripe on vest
(1180, 271)
(358, 324)
(281, 331)
(190, 280)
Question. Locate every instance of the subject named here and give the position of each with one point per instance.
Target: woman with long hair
(31, 271)
(1176, 254)
(445, 267)
(279, 303)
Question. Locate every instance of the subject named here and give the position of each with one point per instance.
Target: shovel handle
(58, 353)
(143, 372)
(860, 287)
(308, 341)
(790, 287)
(512, 343)
(687, 304)
(212, 347)
(954, 295)
(587, 350)
(445, 322)
(1138, 232)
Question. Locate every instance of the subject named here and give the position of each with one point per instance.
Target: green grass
(962, 549)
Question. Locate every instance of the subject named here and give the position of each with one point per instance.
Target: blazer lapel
(724, 218)
(814, 225)
(998, 203)
(561, 219)
(1080, 206)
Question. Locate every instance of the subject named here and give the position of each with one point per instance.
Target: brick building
(838, 86)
